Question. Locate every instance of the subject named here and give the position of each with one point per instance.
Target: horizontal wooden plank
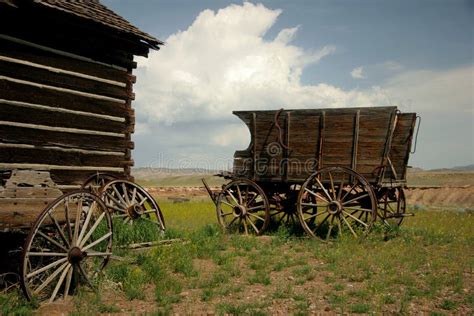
(51, 58)
(11, 166)
(11, 134)
(41, 107)
(38, 116)
(31, 94)
(50, 157)
(78, 177)
(62, 80)
(74, 92)
(62, 149)
(21, 213)
(60, 129)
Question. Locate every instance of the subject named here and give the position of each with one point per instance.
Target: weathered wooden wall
(65, 96)
(357, 138)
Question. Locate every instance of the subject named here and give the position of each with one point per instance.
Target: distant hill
(467, 168)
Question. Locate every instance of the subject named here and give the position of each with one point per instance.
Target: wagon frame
(332, 170)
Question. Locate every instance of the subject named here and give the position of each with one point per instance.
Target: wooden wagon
(65, 123)
(332, 170)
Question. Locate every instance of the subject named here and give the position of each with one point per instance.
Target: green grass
(428, 261)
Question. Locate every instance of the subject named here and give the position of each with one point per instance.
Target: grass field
(426, 266)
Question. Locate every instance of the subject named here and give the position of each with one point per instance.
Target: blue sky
(414, 54)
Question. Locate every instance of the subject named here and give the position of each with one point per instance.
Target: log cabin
(66, 89)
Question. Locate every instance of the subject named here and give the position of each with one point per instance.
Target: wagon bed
(289, 145)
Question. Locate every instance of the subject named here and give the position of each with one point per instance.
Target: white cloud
(449, 90)
(392, 65)
(358, 73)
(222, 62)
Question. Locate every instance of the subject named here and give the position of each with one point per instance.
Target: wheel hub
(335, 207)
(240, 210)
(75, 255)
(134, 211)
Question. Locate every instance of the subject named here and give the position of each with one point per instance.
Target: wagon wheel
(130, 202)
(344, 200)
(68, 245)
(242, 206)
(391, 205)
(283, 210)
(97, 181)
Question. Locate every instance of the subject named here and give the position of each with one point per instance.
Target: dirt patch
(442, 197)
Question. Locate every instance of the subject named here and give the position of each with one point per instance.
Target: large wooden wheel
(243, 207)
(69, 244)
(130, 202)
(391, 205)
(344, 202)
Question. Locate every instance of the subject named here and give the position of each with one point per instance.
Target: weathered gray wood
(64, 61)
(15, 91)
(60, 157)
(62, 80)
(51, 118)
(12, 134)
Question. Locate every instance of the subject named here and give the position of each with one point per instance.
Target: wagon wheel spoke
(67, 287)
(333, 190)
(51, 278)
(355, 218)
(341, 186)
(257, 217)
(328, 196)
(349, 226)
(356, 199)
(317, 214)
(316, 195)
(356, 182)
(60, 282)
(233, 197)
(54, 242)
(254, 227)
(239, 195)
(58, 229)
(91, 230)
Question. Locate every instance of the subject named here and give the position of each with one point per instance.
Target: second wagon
(334, 171)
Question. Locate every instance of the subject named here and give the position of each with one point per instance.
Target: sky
(221, 56)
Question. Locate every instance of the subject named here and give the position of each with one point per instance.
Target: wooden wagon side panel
(304, 144)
